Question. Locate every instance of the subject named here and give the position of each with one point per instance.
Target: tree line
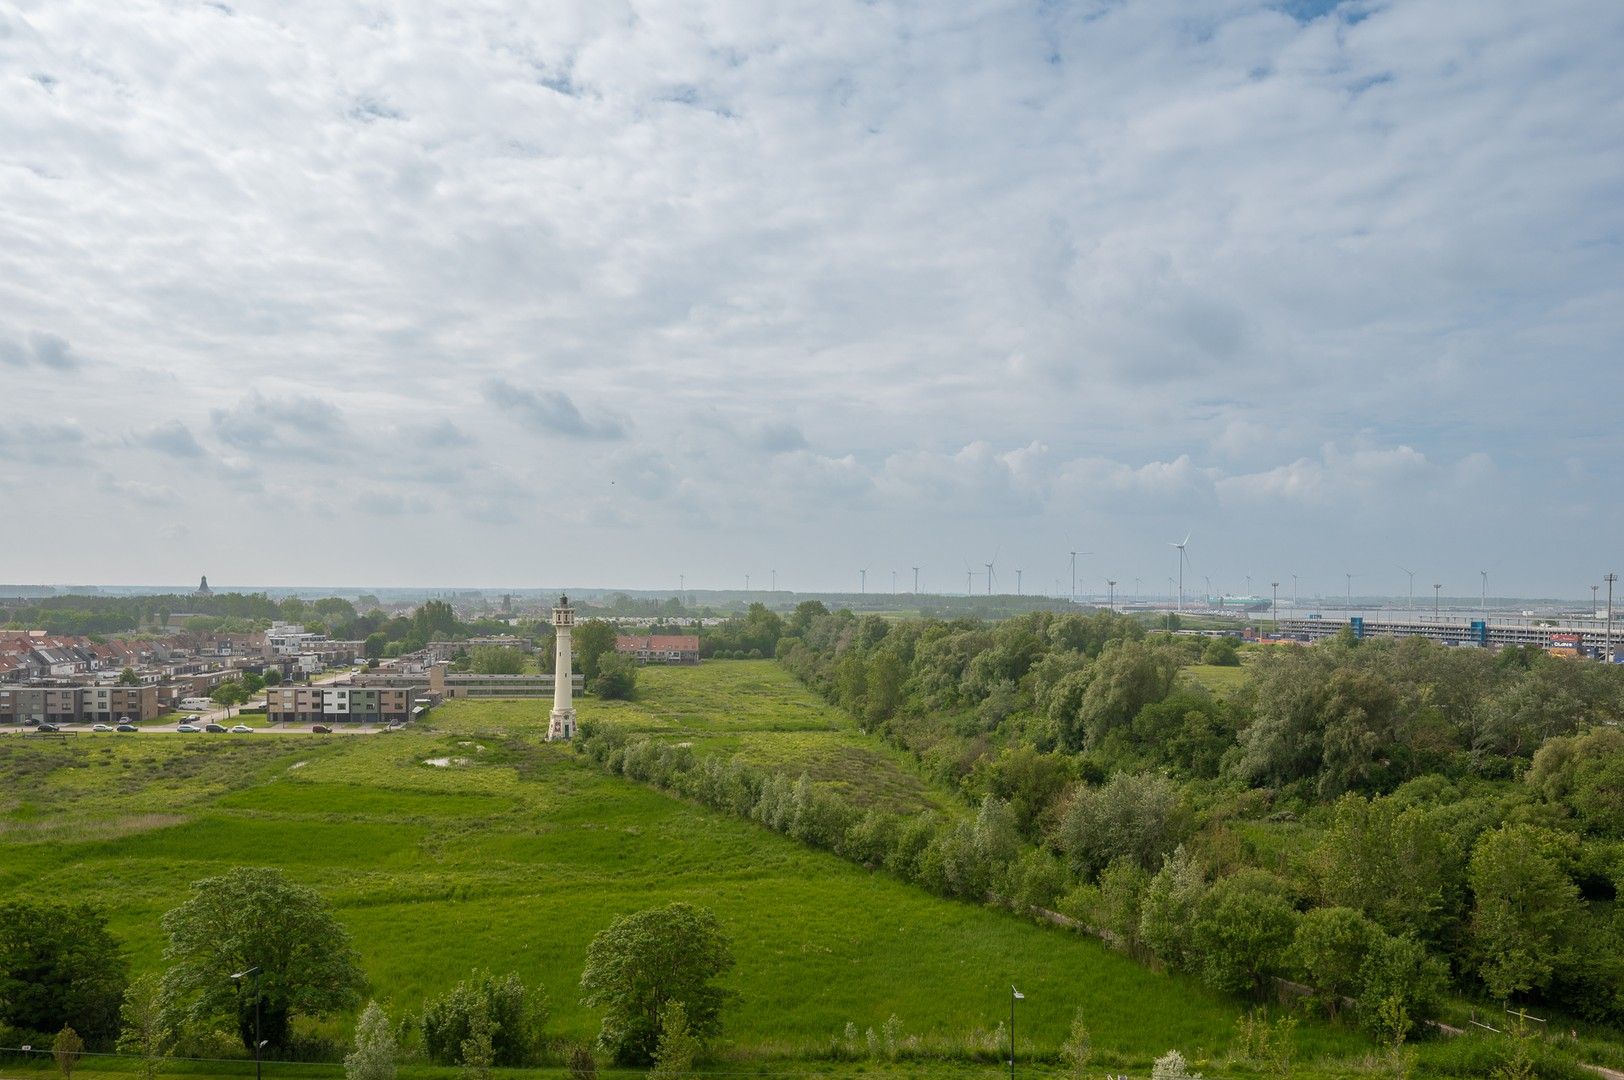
(251, 952)
(1362, 816)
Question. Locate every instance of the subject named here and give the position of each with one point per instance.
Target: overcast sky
(602, 293)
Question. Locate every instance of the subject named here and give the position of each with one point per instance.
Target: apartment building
(343, 704)
(110, 704)
(64, 703)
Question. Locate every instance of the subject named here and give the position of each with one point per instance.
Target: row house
(67, 704)
(343, 704)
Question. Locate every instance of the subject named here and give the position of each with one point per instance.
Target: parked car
(215, 729)
(48, 728)
(101, 727)
(242, 729)
(128, 729)
(321, 729)
(188, 729)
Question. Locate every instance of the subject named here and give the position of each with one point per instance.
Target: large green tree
(645, 960)
(254, 917)
(60, 967)
(1525, 907)
(591, 641)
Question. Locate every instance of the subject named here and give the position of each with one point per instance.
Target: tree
(254, 917)
(1243, 927)
(674, 1055)
(375, 1050)
(60, 966)
(1078, 1049)
(1525, 907)
(1169, 907)
(1330, 947)
(128, 677)
(616, 677)
(517, 1015)
(495, 660)
(273, 676)
(375, 644)
(1220, 652)
(1134, 816)
(644, 960)
(146, 1033)
(67, 1048)
(1394, 865)
(593, 640)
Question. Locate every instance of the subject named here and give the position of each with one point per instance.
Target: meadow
(516, 852)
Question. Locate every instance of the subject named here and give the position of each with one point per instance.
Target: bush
(517, 1017)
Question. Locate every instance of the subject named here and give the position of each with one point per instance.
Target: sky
(626, 293)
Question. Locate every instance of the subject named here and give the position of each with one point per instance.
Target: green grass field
(513, 854)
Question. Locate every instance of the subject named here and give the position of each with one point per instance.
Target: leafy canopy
(255, 917)
(645, 960)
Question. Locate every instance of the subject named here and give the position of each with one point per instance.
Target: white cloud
(915, 270)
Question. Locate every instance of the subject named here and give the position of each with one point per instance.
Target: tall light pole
(1294, 596)
(1112, 583)
(747, 583)
(1275, 585)
(1485, 574)
(258, 1042)
(1610, 578)
(1593, 589)
(1435, 588)
(1014, 996)
(1350, 595)
(1074, 577)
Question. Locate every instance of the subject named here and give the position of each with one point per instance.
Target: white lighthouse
(563, 725)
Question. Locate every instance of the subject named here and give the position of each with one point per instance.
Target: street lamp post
(1014, 996)
(1275, 606)
(259, 1043)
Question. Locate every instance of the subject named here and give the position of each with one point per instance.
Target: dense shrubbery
(514, 1014)
(1375, 818)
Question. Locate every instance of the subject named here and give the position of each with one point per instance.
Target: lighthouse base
(563, 726)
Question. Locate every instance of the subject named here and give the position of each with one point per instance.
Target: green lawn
(516, 852)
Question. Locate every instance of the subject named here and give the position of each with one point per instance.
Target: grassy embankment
(517, 853)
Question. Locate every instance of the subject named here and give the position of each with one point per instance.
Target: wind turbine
(862, 580)
(991, 576)
(916, 580)
(893, 581)
(1017, 581)
(1350, 594)
(1485, 574)
(1411, 607)
(1184, 557)
(1074, 555)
